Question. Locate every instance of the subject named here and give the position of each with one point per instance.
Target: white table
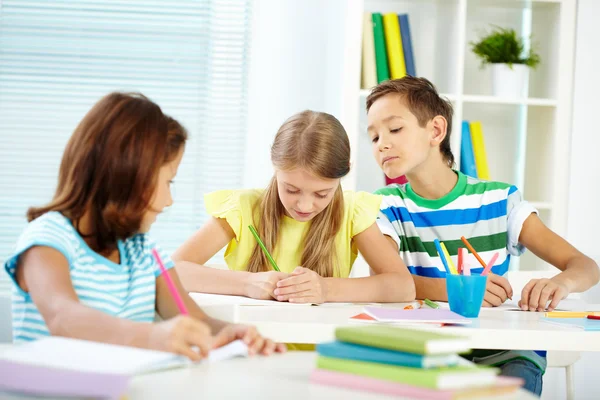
(494, 329)
(279, 376)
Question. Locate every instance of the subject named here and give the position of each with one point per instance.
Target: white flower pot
(507, 82)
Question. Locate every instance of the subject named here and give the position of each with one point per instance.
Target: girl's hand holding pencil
(262, 285)
(303, 286)
(181, 335)
(250, 336)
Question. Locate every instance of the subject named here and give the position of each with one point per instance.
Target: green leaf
(504, 47)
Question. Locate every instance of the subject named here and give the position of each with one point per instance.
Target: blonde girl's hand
(303, 286)
(181, 335)
(261, 285)
(250, 336)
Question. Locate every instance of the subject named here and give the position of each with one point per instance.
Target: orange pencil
(466, 242)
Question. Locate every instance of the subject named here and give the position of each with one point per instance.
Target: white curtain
(58, 57)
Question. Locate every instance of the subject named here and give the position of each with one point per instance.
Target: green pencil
(264, 249)
(431, 304)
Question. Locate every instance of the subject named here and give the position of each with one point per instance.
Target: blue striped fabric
(125, 290)
(448, 217)
(482, 211)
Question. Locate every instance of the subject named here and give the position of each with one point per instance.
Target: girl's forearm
(198, 278)
(78, 321)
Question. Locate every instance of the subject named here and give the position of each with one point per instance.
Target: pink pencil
(178, 300)
(488, 267)
(466, 269)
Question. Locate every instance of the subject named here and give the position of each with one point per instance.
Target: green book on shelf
(446, 378)
(381, 60)
(403, 339)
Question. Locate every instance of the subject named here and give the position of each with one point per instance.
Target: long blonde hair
(316, 142)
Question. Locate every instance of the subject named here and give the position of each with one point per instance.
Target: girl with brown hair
(83, 267)
(312, 228)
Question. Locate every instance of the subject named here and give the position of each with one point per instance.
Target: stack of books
(407, 362)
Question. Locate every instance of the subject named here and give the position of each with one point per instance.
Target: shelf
(489, 99)
(365, 92)
(525, 136)
(500, 100)
(515, 3)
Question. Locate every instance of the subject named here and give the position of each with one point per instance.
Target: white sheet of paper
(81, 355)
(564, 305)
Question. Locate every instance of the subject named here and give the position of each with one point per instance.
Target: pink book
(502, 386)
(36, 380)
(387, 314)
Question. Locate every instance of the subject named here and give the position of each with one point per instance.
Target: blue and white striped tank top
(125, 290)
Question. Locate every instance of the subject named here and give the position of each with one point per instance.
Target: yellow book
(369, 69)
(393, 42)
(481, 163)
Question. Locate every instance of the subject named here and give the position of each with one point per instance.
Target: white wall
(584, 176)
(583, 185)
(296, 64)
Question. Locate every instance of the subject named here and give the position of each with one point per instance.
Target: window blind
(58, 57)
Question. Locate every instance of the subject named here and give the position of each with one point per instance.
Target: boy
(410, 126)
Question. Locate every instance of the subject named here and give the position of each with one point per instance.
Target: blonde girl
(312, 228)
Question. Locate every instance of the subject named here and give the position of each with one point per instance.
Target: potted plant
(510, 63)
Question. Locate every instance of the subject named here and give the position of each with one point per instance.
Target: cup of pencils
(465, 294)
(465, 290)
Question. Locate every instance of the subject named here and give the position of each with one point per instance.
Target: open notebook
(82, 355)
(70, 367)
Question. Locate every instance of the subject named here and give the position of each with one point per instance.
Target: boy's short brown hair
(423, 100)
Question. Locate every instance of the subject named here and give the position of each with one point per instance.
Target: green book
(446, 378)
(381, 60)
(403, 339)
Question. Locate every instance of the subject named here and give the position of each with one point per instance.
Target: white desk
(276, 377)
(494, 329)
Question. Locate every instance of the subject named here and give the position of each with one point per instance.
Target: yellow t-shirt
(236, 206)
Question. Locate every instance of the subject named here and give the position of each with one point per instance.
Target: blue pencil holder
(465, 294)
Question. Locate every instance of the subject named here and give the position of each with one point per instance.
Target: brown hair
(423, 100)
(318, 143)
(110, 166)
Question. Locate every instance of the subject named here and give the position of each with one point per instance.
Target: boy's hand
(304, 286)
(179, 335)
(497, 290)
(538, 292)
(260, 285)
(249, 335)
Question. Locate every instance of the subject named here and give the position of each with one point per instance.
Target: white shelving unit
(527, 140)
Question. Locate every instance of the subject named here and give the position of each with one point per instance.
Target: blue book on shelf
(467, 157)
(409, 57)
(350, 351)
